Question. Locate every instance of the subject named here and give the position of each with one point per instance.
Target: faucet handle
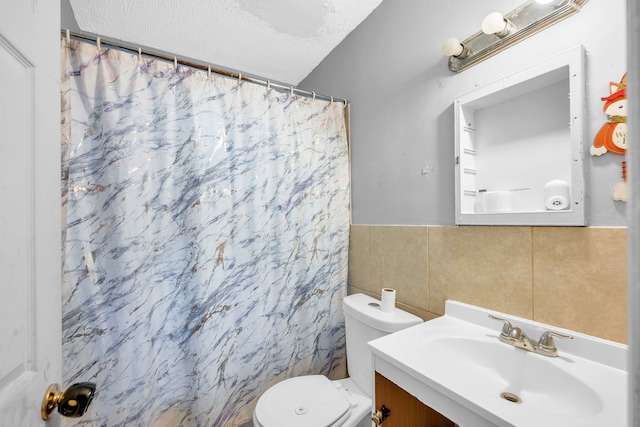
(546, 346)
(506, 327)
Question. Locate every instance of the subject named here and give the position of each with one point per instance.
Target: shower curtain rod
(100, 41)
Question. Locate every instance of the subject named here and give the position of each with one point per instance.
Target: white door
(30, 304)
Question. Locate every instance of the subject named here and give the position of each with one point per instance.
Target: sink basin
(519, 377)
(457, 365)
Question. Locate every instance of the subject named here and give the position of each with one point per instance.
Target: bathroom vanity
(407, 409)
(456, 370)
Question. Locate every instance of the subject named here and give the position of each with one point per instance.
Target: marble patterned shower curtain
(205, 249)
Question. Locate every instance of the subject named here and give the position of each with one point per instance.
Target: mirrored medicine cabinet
(518, 147)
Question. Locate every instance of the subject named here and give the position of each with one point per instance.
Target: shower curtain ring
(175, 62)
(68, 35)
(98, 43)
(268, 84)
(314, 95)
(209, 72)
(239, 78)
(332, 99)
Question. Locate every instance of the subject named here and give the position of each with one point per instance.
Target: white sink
(493, 368)
(457, 365)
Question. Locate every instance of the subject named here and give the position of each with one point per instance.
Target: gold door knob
(73, 402)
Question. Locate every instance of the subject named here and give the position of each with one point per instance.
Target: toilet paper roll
(556, 195)
(388, 299)
(479, 203)
(497, 201)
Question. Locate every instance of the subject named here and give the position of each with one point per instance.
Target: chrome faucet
(516, 337)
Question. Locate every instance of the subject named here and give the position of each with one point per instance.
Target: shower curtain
(205, 239)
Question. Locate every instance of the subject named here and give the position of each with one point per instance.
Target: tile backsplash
(571, 277)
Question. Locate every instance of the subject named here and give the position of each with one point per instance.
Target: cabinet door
(406, 410)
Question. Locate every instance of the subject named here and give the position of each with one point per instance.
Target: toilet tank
(364, 322)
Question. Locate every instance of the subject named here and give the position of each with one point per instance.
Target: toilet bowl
(316, 401)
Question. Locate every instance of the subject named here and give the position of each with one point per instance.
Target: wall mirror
(518, 147)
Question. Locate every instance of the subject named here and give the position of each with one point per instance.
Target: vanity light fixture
(501, 31)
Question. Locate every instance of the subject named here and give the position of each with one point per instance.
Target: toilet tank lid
(368, 310)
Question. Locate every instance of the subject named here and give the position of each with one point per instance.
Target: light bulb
(452, 47)
(494, 23)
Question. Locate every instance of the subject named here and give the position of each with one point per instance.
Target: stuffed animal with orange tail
(613, 134)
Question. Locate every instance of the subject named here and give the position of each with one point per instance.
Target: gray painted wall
(393, 72)
(67, 18)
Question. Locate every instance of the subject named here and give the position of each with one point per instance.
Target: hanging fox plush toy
(613, 134)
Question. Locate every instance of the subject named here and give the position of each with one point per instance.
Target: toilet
(316, 401)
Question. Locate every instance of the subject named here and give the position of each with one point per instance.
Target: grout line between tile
(533, 274)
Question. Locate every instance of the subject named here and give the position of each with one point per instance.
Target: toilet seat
(310, 401)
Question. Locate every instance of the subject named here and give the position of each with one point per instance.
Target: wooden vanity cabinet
(406, 410)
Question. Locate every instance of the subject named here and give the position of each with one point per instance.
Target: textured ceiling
(280, 40)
